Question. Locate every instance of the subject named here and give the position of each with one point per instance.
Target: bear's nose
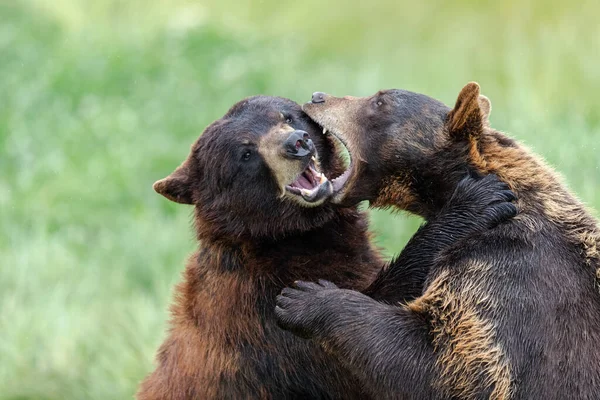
(318, 97)
(299, 145)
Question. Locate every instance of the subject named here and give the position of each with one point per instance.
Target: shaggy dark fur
(513, 312)
(223, 342)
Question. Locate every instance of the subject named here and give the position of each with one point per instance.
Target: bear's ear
(177, 186)
(469, 115)
(485, 105)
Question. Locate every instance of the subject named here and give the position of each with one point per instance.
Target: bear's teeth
(322, 179)
(324, 131)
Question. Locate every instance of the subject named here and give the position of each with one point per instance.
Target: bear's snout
(318, 97)
(298, 144)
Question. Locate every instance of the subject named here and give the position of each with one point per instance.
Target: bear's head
(259, 171)
(407, 149)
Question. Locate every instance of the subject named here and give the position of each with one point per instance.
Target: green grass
(100, 99)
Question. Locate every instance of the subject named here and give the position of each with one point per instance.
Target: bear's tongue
(303, 181)
(311, 184)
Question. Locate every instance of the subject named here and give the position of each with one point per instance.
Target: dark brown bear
(263, 221)
(513, 312)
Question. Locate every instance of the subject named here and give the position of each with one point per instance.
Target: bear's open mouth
(324, 115)
(312, 185)
(339, 182)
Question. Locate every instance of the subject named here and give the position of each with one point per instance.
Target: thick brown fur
(223, 341)
(256, 238)
(511, 313)
(221, 327)
(464, 340)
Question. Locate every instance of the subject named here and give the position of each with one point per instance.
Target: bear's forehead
(253, 117)
(248, 121)
(257, 106)
(418, 98)
(243, 127)
(251, 124)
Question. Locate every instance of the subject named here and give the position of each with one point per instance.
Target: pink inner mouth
(340, 181)
(306, 180)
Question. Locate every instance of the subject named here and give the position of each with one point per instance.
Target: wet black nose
(298, 144)
(318, 97)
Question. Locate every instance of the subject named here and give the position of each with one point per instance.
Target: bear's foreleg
(477, 204)
(386, 347)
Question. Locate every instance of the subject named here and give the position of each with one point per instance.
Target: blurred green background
(98, 99)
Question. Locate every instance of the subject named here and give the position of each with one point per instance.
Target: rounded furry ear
(177, 186)
(485, 105)
(467, 117)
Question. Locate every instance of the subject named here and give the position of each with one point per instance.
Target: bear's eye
(286, 118)
(379, 103)
(246, 156)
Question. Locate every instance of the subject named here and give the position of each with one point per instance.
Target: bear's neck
(426, 187)
(540, 191)
(296, 256)
(544, 202)
(236, 283)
